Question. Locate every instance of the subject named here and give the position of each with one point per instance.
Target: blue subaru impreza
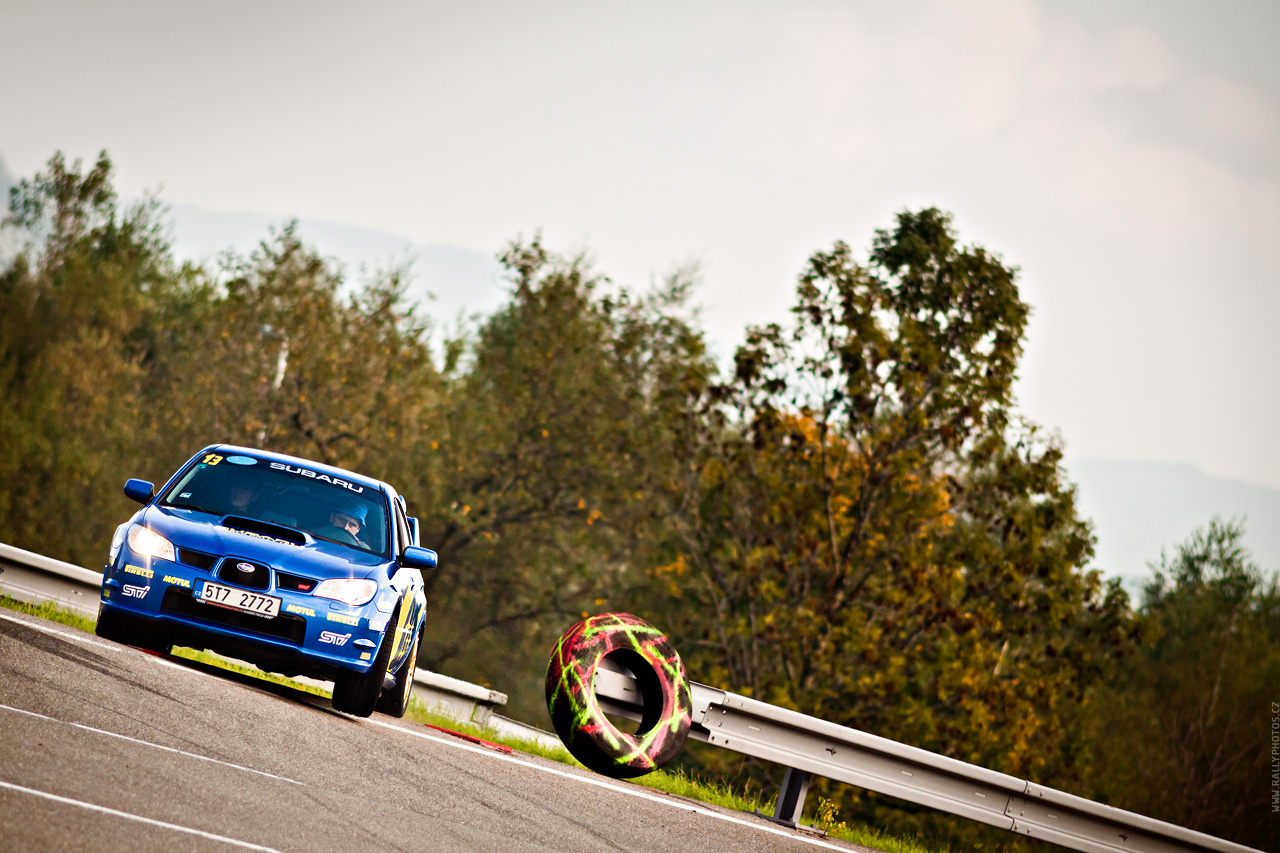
(297, 567)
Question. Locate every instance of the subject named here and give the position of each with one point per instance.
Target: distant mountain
(1140, 507)
(451, 281)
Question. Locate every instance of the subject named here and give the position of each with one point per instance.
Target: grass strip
(50, 611)
(676, 782)
(200, 656)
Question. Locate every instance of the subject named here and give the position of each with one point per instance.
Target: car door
(408, 583)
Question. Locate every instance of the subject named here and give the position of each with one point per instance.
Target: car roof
(331, 470)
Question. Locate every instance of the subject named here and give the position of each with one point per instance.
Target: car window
(402, 529)
(323, 505)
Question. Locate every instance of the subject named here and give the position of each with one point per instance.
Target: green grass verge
(220, 662)
(675, 782)
(49, 611)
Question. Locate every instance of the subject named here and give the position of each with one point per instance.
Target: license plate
(239, 599)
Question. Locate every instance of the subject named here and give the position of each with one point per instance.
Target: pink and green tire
(575, 710)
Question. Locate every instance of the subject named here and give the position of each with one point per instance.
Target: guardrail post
(790, 805)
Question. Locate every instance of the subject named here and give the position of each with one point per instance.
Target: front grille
(294, 582)
(199, 559)
(286, 626)
(232, 571)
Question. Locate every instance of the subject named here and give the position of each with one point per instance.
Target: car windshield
(315, 502)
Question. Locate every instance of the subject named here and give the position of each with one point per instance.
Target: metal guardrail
(808, 746)
(35, 578)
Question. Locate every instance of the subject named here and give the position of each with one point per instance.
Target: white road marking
(148, 743)
(79, 638)
(104, 810)
(600, 783)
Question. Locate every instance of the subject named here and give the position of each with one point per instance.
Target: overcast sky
(1125, 155)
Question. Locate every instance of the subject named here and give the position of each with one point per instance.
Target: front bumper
(310, 636)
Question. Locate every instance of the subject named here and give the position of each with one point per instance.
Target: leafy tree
(75, 302)
(269, 354)
(872, 537)
(116, 362)
(1182, 730)
(557, 447)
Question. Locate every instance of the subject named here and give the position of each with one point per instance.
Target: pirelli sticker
(139, 571)
(353, 621)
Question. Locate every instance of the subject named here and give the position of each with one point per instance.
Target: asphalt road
(109, 748)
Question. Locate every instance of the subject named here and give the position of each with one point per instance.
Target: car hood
(202, 531)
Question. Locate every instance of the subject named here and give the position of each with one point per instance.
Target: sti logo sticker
(131, 591)
(334, 638)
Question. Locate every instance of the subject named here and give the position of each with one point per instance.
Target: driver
(345, 523)
(244, 495)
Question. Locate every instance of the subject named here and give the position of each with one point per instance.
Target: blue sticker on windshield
(242, 460)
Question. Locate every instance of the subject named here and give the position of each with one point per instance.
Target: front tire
(116, 626)
(396, 700)
(358, 694)
(129, 630)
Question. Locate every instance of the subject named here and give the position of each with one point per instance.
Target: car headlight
(117, 539)
(353, 591)
(143, 540)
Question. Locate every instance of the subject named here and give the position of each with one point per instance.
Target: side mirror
(139, 490)
(418, 558)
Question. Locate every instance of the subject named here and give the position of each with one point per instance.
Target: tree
(1182, 731)
(872, 537)
(270, 354)
(75, 302)
(556, 452)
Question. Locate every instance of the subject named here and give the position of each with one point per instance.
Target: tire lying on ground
(660, 677)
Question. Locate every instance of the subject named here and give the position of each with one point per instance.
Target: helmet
(356, 509)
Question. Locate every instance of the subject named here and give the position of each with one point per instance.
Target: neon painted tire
(575, 710)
